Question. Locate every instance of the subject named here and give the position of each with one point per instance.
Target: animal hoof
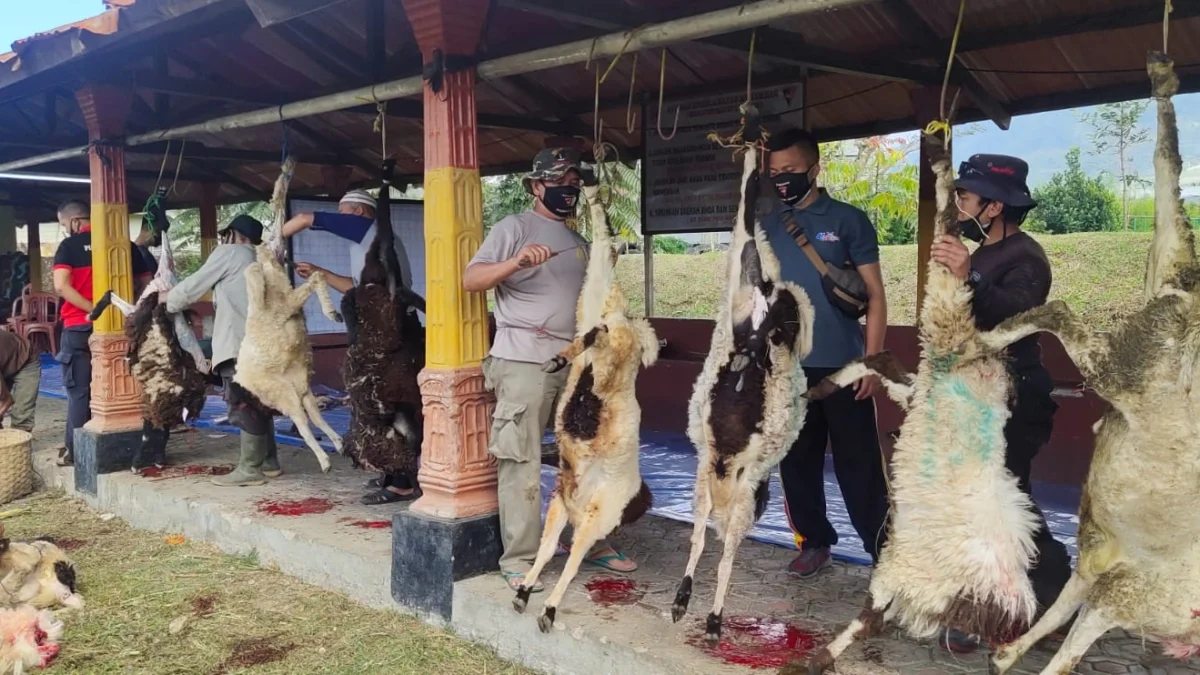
(522, 600)
(337, 317)
(677, 612)
(712, 638)
(554, 365)
(546, 622)
(325, 466)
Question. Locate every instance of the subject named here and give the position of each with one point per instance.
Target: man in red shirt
(73, 283)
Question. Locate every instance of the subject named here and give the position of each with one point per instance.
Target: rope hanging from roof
(1166, 22)
(943, 123)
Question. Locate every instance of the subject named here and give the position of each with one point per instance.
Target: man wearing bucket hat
(355, 222)
(536, 265)
(1008, 274)
(223, 274)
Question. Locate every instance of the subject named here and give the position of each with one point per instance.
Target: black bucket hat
(554, 163)
(247, 226)
(1000, 178)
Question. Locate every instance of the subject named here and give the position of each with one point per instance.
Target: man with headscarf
(1009, 273)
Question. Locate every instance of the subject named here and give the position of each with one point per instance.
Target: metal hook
(662, 82)
(630, 114)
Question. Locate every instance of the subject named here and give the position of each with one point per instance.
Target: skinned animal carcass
(1139, 528)
(960, 540)
(274, 361)
(28, 639)
(746, 410)
(598, 419)
(385, 354)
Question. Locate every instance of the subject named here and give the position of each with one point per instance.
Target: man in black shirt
(1009, 274)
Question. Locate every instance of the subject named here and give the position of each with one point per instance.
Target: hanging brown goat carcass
(386, 353)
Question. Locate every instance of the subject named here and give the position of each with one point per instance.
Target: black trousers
(76, 358)
(1026, 432)
(848, 428)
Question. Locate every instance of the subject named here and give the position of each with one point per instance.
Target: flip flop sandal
(515, 579)
(605, 562)
(386, 496)
(375, 483)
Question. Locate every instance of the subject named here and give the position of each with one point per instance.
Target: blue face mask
(561, 199)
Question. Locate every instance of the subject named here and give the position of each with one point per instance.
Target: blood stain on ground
(165, 472)
(202, 605)
(248, 653)
(759, 642)
(69, 544)
(370, 524)
(606, 591)
(297, 507)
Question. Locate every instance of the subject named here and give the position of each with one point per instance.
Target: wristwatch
(973, 278)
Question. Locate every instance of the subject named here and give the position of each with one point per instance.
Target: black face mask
(972, 228)
(561, 199)
(792, 187)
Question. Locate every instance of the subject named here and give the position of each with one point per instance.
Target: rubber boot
(249, 469)
(270, 465)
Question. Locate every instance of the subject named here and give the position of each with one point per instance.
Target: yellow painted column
(116, 396)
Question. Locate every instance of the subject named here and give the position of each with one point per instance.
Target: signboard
(333, 253)
(691, 183)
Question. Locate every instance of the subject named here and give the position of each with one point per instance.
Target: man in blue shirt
(355, 221)
(841, 235)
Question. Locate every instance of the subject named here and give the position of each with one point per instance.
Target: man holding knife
(536, 265)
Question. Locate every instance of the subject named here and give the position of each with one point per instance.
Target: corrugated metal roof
(1028, 55)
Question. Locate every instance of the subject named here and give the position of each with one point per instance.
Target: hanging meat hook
(662, 82)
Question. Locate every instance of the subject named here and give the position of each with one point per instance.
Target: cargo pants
(24, 389)
(526, 401)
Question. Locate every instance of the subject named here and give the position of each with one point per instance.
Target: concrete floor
(618, 626)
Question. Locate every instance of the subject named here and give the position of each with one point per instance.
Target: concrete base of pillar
(97, 453)
(429, 554)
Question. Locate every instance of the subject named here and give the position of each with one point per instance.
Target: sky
(23, 18)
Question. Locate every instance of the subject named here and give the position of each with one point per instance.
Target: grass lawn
(158, 605)
(1098, 274)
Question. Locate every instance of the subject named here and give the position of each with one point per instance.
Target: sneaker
(809, 562)
(957, 641)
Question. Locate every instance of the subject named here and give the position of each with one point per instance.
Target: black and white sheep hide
(171, 382)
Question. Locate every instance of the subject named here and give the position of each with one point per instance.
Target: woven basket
(16, 464)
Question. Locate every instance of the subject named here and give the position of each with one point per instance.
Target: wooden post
(926, 103)
(208, 219)
(33, 235)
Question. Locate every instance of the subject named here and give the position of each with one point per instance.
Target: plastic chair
(20, 309)
(43, 312)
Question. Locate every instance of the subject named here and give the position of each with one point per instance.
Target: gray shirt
(223, 274)
(535, 308)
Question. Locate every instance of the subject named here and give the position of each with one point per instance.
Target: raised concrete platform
(621, 626)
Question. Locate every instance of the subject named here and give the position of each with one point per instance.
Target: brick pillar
(452, 531)
(106, 443)
(208, 219)
(926, 103)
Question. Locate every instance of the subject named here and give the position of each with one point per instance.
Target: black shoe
(66, 457)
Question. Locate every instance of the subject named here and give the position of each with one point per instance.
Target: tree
(1072, 202)
(874, 174)
(1115, 132)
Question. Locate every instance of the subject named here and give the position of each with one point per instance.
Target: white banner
(691, 182)
(333, 253)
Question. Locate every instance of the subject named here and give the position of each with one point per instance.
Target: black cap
(248, 227)
(1000, 178)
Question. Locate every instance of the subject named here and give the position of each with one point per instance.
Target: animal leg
(588, 531)
(896, 381)
(1084, 347)
(740, 522)
(321, 288)
(1069, 600)
(187, 340)
(578, 346)
(648, 340)
(1088, 628)
(293, 407)
(868, 623)
(700, 513)
(556, 522)
(314, 413)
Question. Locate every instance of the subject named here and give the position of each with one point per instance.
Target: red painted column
(116, 396)
(458, 476)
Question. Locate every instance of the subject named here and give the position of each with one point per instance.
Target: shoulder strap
(789, 221)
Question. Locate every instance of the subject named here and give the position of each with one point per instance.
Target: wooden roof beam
(340, 61)
(911, 21)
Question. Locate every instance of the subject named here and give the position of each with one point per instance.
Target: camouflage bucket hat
(554, 163)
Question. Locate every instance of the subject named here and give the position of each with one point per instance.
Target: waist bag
(843, 286)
